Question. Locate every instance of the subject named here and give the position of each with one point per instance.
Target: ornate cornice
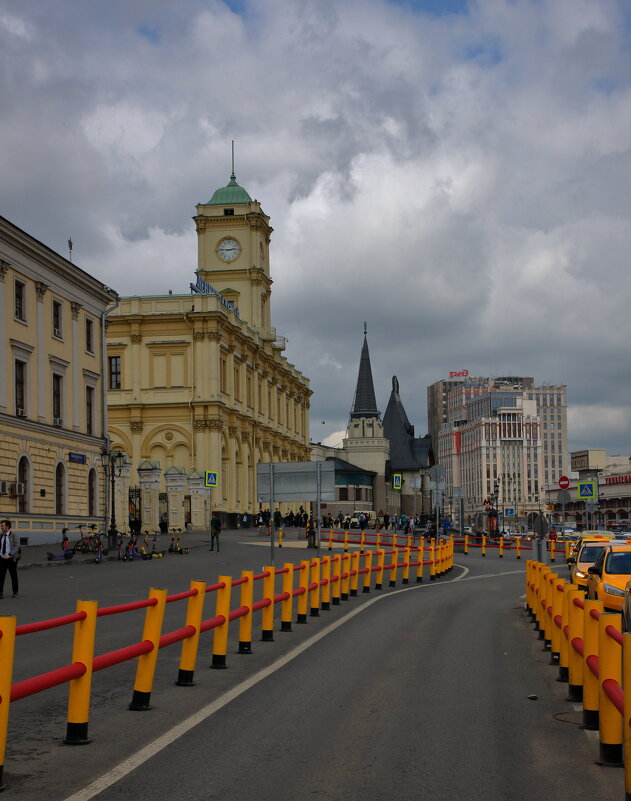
(136, 426)
(215, 425)
(214, 336)
(41, 289)
(198, 336)
(4, 266)
(136, 337)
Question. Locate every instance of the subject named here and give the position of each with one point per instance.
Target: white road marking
(145, 754)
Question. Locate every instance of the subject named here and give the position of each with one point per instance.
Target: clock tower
(233, 236)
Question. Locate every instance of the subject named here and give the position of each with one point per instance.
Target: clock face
(229, 249)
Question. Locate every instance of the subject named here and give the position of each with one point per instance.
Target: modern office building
(503, 441)
(198, 381)
(52, 399)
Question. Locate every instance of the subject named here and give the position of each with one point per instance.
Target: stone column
(4, 266)
(77, 406)
(200, 501)
(175, 480)
(212, 368)
(41, 289)
(149, 473)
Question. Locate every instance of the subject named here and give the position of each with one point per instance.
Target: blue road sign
(211, 479)
(586, 490)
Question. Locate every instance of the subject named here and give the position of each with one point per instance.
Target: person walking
(215, 531)
(8, 557)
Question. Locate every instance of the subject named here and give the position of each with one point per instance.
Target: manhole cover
(574, 718)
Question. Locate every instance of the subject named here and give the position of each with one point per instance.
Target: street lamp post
(113, 462)
(494, 502)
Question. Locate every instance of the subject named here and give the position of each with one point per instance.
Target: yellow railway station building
(198, 382)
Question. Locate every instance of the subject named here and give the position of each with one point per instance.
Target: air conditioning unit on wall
(16, 488)
(58, 421)
(20, 412)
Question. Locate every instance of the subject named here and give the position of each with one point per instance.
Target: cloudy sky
(456, 174)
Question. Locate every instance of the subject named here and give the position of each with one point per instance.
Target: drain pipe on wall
(104, 381)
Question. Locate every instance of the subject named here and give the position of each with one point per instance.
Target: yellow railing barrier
(314, 593)
(286, 608)
(79, 692)
(303, 583)
(590, 648)
(190, 646)
(420, 555)
(146, 668)
(7, 652)
(245, 623)
(331, 539)
(267, 613)
(362, 544)
(407, 558)
(483, 545)
(518, 546)
(381, 557)
(368, 573)
(501, 548)
(394, 561)
(346, 542)
(466, 545)
(220, 638)
(326, 587)
(355, 557)
(432, 560)
(346, 579)
(335, 579)
(610, 668)
(564, 650)
(575, 632)
(557, 611)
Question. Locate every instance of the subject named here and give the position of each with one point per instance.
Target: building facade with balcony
(52, 399)
(495, 447)
(198, 382)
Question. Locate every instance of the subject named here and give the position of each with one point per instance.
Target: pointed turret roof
(364, 403)
(407, 452)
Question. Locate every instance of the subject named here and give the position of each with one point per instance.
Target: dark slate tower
(407, 452)
(364, 403)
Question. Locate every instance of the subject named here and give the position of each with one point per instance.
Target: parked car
(370, 519)
(610, 575)
(588, 553)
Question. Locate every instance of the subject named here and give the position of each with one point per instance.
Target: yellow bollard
(552, 550)
(407, 558)
(609, 669)
(466, 545)
(220, 637)
(378, 543)
(287, 605)
(575, 632)
(190, 646)
(7, 651)
(326, 586)
(568, 546)
(331, 539)
(354, 573)
(280, 538)
(346, 542)
(362, 543)
(381, 556)
(267, 613)
(501, 549)
(557, 611)
(564, 650)
(245, 623)
(590, 682)
(432, 561)
(346, 578)
(314, 593)
(518, 544)
(303, 598)
(394, 561)
(547, 620)
(626, 729)
(483, 545)
(141, 697)
(79, 693)
(420, 555)
(335, 580)
(368, 573)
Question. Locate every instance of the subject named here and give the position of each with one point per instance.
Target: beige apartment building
(504, 440)
(198, 382)
(52, 423)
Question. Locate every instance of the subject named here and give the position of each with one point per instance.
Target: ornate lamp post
(113, 462)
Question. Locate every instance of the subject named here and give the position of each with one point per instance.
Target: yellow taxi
(588, 552)
(609, 575)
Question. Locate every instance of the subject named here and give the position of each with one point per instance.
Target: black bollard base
(267, 635)
(76, 734)
(185, 678)
(591, 719)
(218, 662)
(335, 601)
(344, 596)
(315, 611)
(301, 618)
(245, 647)
(377, 586)
(574, 692)
(140, 702)
(353, 593)
(404, 581)
(326, 605)
(610, 755)
(366, 589)
(285, 625)
(564, 674)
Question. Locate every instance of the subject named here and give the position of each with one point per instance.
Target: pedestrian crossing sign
(211, 479)
(396, 481)
(586, 490)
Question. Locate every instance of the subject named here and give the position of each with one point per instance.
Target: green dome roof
(231, 194)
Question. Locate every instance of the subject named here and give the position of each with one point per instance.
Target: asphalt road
(414, 692)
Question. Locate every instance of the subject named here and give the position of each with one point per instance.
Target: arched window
(60, 489)
(92, 493)
(24, 478)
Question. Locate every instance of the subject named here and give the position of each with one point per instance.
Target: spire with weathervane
(364, 403)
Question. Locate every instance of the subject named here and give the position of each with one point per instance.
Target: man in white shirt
(8, 557)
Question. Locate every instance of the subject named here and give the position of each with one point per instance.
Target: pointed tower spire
(364, 403)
